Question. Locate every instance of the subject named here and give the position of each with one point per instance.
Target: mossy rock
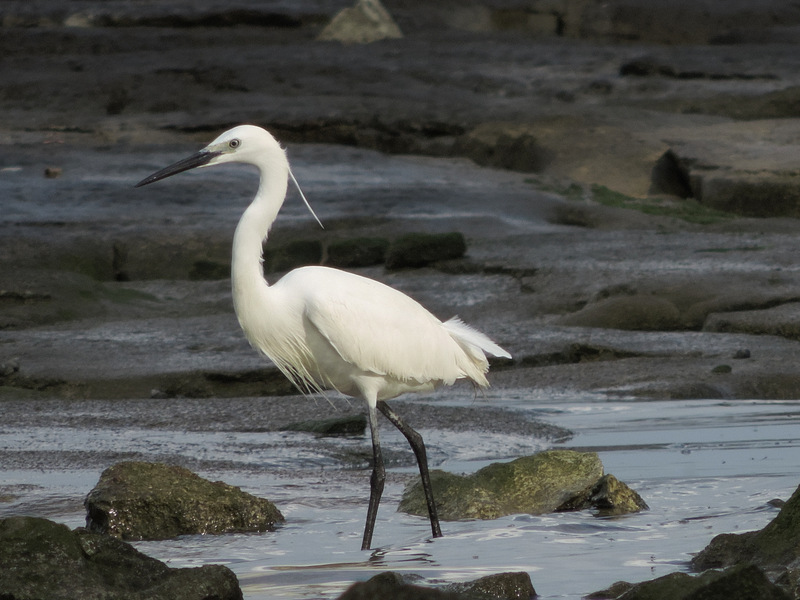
(203, 270)
(389, 584)
(777, 545)
(152, 501)
(516, 585)
(357, 252)
(42, 559)
(751, 196)
(420, 249)
(609, 497)
(535, 485)
(297, 253)
(349, 425)
(746, 581)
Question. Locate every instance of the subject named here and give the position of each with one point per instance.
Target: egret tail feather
(464, 333)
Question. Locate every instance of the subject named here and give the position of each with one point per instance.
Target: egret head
(244, 144)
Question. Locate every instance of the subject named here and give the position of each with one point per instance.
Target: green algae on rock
(535, 484)
(43, 559)
(152, 501)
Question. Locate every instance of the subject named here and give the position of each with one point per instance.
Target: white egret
(330, 329)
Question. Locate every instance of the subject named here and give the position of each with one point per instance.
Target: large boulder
(535, 484)
(776, 548)
(42, 559)
(152, 501)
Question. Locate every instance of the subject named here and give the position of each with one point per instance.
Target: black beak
(195, 160)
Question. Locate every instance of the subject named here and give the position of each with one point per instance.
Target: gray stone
(365, 22)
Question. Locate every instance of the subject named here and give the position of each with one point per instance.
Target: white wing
(380, 330)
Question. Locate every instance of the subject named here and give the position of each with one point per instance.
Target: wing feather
(380, 330)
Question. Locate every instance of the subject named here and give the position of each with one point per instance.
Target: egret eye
(233, 144)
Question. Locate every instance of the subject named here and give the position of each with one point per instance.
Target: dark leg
(375, 482)
(418, 446)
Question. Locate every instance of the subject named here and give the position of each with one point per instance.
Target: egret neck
(247, 271)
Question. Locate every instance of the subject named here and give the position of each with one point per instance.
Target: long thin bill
(303, 196)
(191, 162)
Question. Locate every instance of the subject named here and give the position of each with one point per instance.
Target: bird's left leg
(418, 446)
(376, 480)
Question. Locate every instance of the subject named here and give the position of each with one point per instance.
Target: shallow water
(704, 467)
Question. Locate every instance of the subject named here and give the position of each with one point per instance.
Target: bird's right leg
(376, 481)
(418, 446)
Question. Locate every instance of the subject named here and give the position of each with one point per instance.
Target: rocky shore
(619, 184)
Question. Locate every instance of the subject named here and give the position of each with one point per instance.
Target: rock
(670, 176)
(502, 586)
(610, 497)
(535, 484)
(674, 23)
(503, 146)
(357, 252)
(9, 367)
(614, 591)
(209, 270)
(391, 585)
(420, 249)
(297, 253)
(775, 547)
(761, 195)
(747, 581)
(782, 320)
(746, 169)
(349, 425)
(42, 559)
(367, 21)
(151, 501)
(640, 312)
